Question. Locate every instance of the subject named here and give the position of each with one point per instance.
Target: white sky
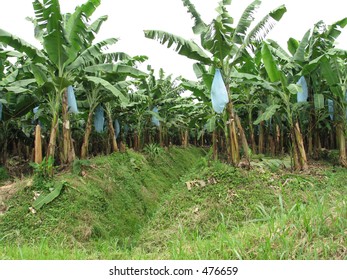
(128, 18)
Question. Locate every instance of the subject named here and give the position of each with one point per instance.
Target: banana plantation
(72, 99)
(152, 166)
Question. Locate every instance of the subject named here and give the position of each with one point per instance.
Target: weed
(153, 150)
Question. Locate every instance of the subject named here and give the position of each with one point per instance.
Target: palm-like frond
(92, 53)
(21, 46)
(182, 46)
(279, 51)
(334, 30)
(218, 38)
(260, 31)
(199, 25)
(300, 51)
(118, 68)
(50, 21)
(245, 22)
(108, 86)
(77, 30)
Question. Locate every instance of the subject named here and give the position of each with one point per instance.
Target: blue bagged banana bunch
(219, 94)
(116, 128)
(155, 120)
(71, 100)
(303, 94)
(331, 108)
(99, 119)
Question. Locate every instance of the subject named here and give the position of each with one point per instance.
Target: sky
(128, 18)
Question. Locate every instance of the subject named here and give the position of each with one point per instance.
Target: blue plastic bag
(331, 108)
(0, 111)
(155, 120)
(99, 119)
(303, 95)
(116, 128)
(71, 100)
(219, 94)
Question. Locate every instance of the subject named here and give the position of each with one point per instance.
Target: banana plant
(314, 44)
(285, 91)
(222, 45)
(68, 48)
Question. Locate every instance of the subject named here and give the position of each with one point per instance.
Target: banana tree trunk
(234, 152)
(299, 145)
(68, 154)
(85, 144)
(294, 151)
(277, 139)
(38, 144)
(340, 134)
(251, 132)
(161, 141)
(185, 138)
(243, 139)
(53, 136)
(215, 145)
(261, 137)
(112, 133)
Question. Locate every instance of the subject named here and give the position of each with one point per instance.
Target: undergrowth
(180, 205)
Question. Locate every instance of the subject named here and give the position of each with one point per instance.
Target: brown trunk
(53, 137)
(299, 144)
(38, 144)
(185, 138)
(252, 138)
(294, 151)
(261, 138)
(68, 154)
(215, 145)
(161, 141)
(278, 140)
(340, 134)
(85, 144)
(234, 154)
(136, 141)
(112, 135)
(243, 138)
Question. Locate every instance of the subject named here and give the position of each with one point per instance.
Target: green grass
(132, 207)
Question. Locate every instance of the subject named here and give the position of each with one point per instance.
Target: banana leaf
(42, 200)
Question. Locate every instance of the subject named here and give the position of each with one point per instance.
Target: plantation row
(72, 99)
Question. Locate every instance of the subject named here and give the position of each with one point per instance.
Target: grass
(128, 206)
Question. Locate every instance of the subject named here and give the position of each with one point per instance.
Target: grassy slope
(110, 204)
(126, 208)
(252, 215)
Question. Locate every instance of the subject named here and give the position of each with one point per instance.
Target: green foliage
(43, 171)
(45, 199)
(79, 165)
(153, 150)
(3, 174)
